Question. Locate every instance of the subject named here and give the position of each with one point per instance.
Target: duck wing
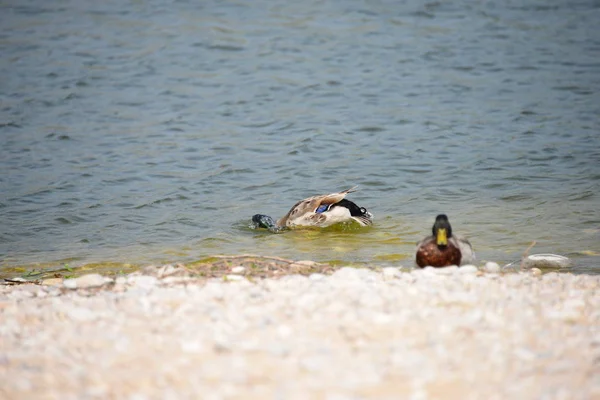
(466, 250)
(304, 208)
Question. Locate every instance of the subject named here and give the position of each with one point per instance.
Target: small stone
(391, 273)
(468, 269)
(119, 287)
(144, 281)
(70, 283)
(491, 267)
(81, 314)
(191, 346)
(91, 280)
(354, 274)
(234, 278)
(347, 273)
(574, 304)
(317, 277)
(427, 271)
(293, 280)
(446, 270)
(536, 271)
(238, 270)
(165, 270)
(174, 280)
(21, 294)
(52, 281)
(284, 331)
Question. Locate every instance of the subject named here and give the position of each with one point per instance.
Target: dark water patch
(516, 197)
(574, 89)
(371, 129)
(58, 137)
(582, 196)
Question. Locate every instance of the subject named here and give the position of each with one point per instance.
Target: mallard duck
(318, 211)
(443, 248)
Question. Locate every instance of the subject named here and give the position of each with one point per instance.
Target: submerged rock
(545, 261)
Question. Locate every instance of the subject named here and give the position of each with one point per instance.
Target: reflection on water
(140, 133)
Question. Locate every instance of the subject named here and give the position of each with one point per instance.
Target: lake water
(149, 132)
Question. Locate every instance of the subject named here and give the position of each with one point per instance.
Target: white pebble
(191, 346)
(427, 271)
(284, 331)
(468, 269)
(143, 281)
(491, 267)
(316, 277)
(536, 271)
(347, 273)
(21, 294)
(446, 270)
(70, 283)
(80, 314)
(238, 270)
(91, 280)
(234, 278)
(391, 273)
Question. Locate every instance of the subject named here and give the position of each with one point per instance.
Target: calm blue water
(146, 132)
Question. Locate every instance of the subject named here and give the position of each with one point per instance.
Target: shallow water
(145, 132)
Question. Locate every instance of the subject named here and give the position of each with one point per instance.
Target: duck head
(264, 221)
(442, 231)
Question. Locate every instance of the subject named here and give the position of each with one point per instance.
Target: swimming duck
(318, 211)
(443, 248)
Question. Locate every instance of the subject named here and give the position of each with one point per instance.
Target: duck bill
(442, 237)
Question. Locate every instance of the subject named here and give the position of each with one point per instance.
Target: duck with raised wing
(443, 248)
(317, 211)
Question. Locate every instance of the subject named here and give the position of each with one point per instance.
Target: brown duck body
(443, 249)
(430, 254)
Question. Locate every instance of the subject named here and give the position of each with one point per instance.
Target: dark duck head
(264, 221)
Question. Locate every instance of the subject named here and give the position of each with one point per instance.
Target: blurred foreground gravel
(357, 334)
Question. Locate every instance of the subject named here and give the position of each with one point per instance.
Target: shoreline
(39, 272)
(345, 333)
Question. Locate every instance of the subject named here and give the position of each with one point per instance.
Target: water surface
(148, 132)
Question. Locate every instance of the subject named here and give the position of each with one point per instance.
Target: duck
(317, 211)
(443, 248)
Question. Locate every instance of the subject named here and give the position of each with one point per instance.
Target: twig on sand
(526, 254)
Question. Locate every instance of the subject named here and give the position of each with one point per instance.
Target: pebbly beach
(344, 333)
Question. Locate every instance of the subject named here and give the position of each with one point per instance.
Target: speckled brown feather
(310, 204)
(429, 253)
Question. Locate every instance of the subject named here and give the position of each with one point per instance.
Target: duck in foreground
(443, 249)
(318, 211)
